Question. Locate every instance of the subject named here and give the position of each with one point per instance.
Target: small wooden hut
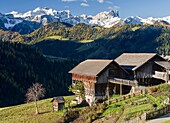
(58, 103)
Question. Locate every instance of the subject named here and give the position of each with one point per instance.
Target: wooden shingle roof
(59, 99)
(91, 67)
(134, 60)
(164, 64)
(167, 57)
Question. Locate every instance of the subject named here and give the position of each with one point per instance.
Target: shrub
(70, 115)
(164, 88)
(153, 89)
(155, 105)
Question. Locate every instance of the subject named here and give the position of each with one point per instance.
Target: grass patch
(116, 108)
(135, 28)
(113, 109)
(26, 112)
(138, 108)
(166, 121)
(164, 88)
(2, 108)
(114, 96)
(155, 101)
(55, 38)
(86, 41)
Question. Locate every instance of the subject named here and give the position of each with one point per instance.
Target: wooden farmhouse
(145, 68)
(129, 72)
(58, 103)
(94, 74)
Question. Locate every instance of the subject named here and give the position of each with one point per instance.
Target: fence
(127, 96)
(145, 116)
(150, 115)
(157, 113)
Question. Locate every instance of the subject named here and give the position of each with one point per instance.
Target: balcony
(161, 75)
(123, 81)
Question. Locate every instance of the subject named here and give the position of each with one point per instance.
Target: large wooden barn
(94, 74)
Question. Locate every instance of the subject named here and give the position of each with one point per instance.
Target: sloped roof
(91, 67)
(134, 60)
(164, 64)
(167, 57)
(59, 99)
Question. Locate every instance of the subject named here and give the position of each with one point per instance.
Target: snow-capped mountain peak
(133, 20)
(43, 16)
(15, 14)
(106, 19)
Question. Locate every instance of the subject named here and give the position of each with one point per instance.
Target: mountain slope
(99, 42)
(115, 41)
(22, 65)
(26, 112)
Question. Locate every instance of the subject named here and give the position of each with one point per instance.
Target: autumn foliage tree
(34, 93)
(78, 89)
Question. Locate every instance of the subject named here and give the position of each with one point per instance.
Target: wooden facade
(83, 78)
(96, 84)
(142, 67)
(58, 103)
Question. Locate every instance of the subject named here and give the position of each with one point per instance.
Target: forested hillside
(22, 65)
(112, 42)
(83, 41)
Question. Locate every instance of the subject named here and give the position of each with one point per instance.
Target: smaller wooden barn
(145, 68)
(58, 103)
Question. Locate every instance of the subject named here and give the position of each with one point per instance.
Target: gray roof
(59, 99)
(90, 67)
(164, 64)
(134, 60)
(167, 57)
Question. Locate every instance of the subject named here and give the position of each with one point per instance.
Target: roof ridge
(98, 60)
(139, 53)
(144, 62)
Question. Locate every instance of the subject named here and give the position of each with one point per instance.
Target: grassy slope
(166, 121)
(55, 38)
(26, 112)
(123, 110)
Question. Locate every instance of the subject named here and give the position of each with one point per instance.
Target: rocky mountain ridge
(28, 22)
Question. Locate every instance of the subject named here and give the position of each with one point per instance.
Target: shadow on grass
(82, 104)
(45, 112)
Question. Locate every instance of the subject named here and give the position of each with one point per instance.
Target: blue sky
(143, 8)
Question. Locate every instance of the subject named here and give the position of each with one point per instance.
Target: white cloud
(84, 4)
(68, 0)
(109, 2)
(113, 7)
(85, 1)
(100, 1)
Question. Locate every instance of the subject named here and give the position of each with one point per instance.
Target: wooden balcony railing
(123, 81)
(161, 75)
